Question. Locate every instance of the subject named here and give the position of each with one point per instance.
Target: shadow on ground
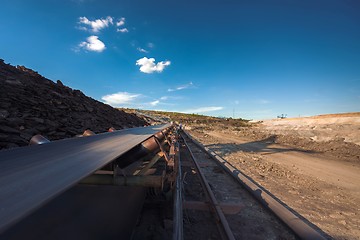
(264, 146)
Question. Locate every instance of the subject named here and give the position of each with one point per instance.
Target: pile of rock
(31, 104)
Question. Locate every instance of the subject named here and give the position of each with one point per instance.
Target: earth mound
(32, 104)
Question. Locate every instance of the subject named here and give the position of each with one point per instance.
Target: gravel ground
(318, 179)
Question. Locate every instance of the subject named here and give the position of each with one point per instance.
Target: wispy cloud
(148, 65)
(120, 98)
(95, 25)
(93, 43)
(135, 100)
(171, 98)
(154, 103)
(182, 87)
(142, 50)
(203, 109)
(121, 22)
(98, 24)
(123, 30)
(151, 45)
(162, 101)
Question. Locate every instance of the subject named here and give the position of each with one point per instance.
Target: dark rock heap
(31, 104)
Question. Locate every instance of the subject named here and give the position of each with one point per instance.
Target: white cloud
(121, 22)
(120, 98)
(97, 24)
(150, 45)
(93, 44)
(147, 65)
(123, 30)
(171, 97)
(142, 50)
(203, 109)
(82, 28)
(154, 103)
(180, 87)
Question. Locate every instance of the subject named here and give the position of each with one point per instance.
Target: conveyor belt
(31, 176)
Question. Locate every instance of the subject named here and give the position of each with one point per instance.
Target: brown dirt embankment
(32, 104)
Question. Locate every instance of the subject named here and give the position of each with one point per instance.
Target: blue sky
(250, 59)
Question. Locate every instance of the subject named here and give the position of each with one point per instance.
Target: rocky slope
(32, 104)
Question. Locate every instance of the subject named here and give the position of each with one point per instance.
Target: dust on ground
(311, 164)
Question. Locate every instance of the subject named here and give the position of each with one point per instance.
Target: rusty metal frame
(227, 208)
(213, 201)
(178, 199)
(151, 163)
(166, 138)
(132, 180)
(166, 156)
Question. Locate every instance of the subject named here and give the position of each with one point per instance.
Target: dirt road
(341, 174)
(324, 190)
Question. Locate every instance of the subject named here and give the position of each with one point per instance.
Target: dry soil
(311, 164)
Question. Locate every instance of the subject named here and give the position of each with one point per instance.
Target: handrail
(31, 176)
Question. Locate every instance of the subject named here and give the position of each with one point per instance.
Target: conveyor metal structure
(31, 177)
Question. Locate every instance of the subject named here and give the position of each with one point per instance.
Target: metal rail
(294, 222)
(220, 214)
(32, 176)
(178, 232)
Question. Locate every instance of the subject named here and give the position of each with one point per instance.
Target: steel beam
(140, 181)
